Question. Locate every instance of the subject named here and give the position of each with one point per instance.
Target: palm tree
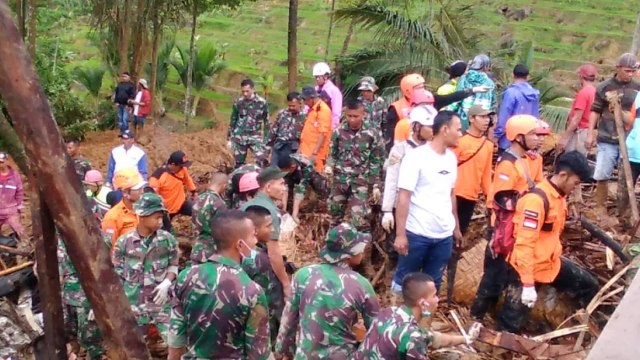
(207, 61)
(90, 78)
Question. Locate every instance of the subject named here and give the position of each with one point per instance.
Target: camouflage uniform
(326, 300)
(81, 165)
(376, 111)
(143, 263)
(233, 201)
(305, 176)
(249, 128)
(284, 137)
(395, 334)
(262, 273)
(219, 313)
(74, 299)
(357, 157)
(205, 208)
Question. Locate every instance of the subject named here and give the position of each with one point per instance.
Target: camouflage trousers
(258, 147)
(353, 198)
(87, 331)
(157, 315)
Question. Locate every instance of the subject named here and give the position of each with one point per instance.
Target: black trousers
(185, 209)
(465, 212)
(491, 285)
(572, 279)
(635, 171)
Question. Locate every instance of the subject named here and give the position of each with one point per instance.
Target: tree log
(599, 234)
(62, 192)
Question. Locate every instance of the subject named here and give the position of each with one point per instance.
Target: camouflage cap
(343, 241)
(148, 204)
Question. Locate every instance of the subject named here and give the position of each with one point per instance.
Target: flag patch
(531, 214)
(530, 223)
(503, 176)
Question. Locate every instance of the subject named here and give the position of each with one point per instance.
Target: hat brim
(367, 88)
(360, 243)
(186, 164)
(484, 113)
(152, 211)
(139, 186)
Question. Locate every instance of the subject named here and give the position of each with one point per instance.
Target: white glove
(162, 292)
(91, 315)
(328, 170)
(480, 89)
(229, 145)
(376, 195)
(474, 332)
(387, 221)
(529, 296)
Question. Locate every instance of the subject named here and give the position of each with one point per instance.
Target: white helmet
(321, 69)
(423, 115)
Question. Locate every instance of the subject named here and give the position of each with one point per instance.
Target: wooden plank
(15, 268)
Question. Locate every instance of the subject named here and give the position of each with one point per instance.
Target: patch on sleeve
(503, 176)
(394, 159)
(110, 231)
(531, 214)
(530, 223)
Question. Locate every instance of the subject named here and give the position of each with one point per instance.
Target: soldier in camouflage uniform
(232, 190)
(327, 298)
(207, 205)
(218, 311)
(396, 332)
(81, 164)
(301, 174)
(249, 126)
(374, 105)
(284, 137)
(355, 164)
(146, 259)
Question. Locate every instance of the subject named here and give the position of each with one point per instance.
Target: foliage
(107, 116)
(108, 48)
(164, 61)
(90, 78)
(268, 83)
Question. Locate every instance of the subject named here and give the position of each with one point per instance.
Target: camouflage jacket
(205, 208)
(81, 165)
(357, 155)
(287, 127)
(231, 194)
(249, 119)
(377, 111)
(142, 264)
(318, 318)
(395, 334)
(219, 313)
(72, 293)
(301, 178)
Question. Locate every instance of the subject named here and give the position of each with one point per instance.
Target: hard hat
(92, 176)
(321, 69)
(128, 178)
(421, 96)
(409, 82)
(423, 114)
(543, 128)
(520, 125)
(248, 182)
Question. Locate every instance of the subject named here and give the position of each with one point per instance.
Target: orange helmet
(409, 82)
(128, 178)
(543, 128)
(520, 125)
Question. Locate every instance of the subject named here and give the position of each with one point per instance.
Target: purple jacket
(336, 102)
(11, 194)
(518, 99)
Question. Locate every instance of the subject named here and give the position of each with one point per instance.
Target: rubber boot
(602, 193)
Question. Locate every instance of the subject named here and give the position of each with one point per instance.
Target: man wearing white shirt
(426, 215)
(125, 156)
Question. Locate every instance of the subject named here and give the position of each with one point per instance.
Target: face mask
(425, 310)
(249, 261)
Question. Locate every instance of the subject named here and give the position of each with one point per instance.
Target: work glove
(387, 221)
(229, 145)
(480, 89)
(529, 296)
(91, 315)
(328, 170)
(162, 292)
(376, 195)
(474, 332)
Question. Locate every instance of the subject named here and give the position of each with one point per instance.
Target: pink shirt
(583, 100)
(336, 101)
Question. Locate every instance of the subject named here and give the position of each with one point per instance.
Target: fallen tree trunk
(607, 240)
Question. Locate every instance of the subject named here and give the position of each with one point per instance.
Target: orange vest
(403, 108)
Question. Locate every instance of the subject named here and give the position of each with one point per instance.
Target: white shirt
(126, 158)
(430, 177)
(136, 107)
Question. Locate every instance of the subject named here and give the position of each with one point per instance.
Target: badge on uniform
(530, 223)
(503, 176)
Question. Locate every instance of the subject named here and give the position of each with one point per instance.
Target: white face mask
(248, 260)
(425, 309)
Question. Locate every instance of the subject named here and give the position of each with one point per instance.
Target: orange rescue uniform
(118, 221)
(317, 123)
(171, 186)
(535, 166)
(475, 157)
(402, 132)
(536, 252)
(509, 175)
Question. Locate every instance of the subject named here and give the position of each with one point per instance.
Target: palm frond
(89, 78)
(555, 116)
(207, 62)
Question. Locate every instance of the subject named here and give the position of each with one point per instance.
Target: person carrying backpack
(512, 178)
(536, 256)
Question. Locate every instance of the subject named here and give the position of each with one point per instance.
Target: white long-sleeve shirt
(392, 168)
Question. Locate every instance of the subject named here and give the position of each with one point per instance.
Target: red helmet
(409, 83)
(543, 128)
(421, 96)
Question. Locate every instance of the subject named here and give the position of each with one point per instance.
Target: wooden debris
(529, 347)
(14, 251)
(455, 317)
(560, 332)
(16, 268)
(599, 234)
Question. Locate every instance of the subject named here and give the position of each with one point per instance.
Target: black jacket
(124, 92)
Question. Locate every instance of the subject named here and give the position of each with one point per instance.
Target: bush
(107, 116)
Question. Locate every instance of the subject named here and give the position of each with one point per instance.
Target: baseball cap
(479, 110)
(627, 60)
(269, 174)
(179, 158)
(423, 114)
(143, 82)
(480, 61)
(309, 92)
(127, 134)
(343, 241)
(3, 157)
(521, 70)
(587, 71)
(148, 204)
(368, 83)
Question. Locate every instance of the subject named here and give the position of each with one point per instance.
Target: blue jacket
(517, 99)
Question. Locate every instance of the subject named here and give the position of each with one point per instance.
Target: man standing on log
(602, 115)
(146, 260)
(536, 257)
(355, 164)
(327, 298)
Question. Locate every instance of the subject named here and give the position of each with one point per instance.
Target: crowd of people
(427, 159)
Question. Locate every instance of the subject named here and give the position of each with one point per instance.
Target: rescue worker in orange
(401, 108)
(536, 257)
(534, 158)
(512, 172)
(402, 131)
(170, 181)
(316, 132)
(121, 219)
